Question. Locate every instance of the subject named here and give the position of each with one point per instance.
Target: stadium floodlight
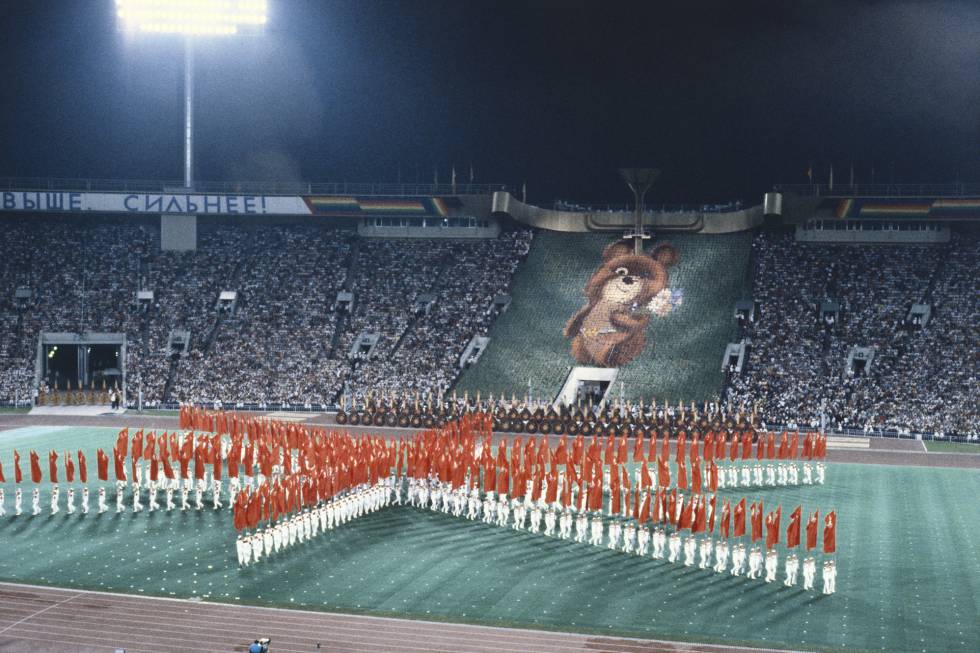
(191, 19)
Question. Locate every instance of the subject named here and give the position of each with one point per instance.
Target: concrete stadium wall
(370, 231)
(581, 221)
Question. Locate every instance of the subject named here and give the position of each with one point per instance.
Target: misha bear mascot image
(623, 293)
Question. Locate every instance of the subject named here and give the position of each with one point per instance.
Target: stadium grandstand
(360, 309)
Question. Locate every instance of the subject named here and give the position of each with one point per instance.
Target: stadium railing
(256, 187)
(881, 190)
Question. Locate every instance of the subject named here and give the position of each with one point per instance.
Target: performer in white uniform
(809, 572)
(674, 547)
(792, 567)
(595, 538)
(721, 556)
(829, 577)
(772, 564)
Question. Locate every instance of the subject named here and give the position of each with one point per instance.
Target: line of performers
(151, 470)
(562, 514)
(300, 527)
(523, 415)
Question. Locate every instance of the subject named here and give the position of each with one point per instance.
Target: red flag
(82, 467)
(701, 516)
(561, 451)
(772, 528)
(739, 519)
(69, 468)
(3, 479)
(681, 444)
(615, 493)
(645, 479)
(687, 513)
(53, 466)
(721, 441)
(830, 532)
(725, 519)
(537, 484)
(811, 530)
(102, 463)
(755, 521)
(119, 462)
(696, 477)
(18, 477)
(638, 446)
(681, 475)
(663, 473)
(503, 480)
(793, 530)
(783, 452)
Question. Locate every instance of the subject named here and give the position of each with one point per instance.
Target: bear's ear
(665, 254)
(619, 248)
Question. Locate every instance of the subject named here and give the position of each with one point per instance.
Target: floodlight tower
(191, 19)
(639, 181)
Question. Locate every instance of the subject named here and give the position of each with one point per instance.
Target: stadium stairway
(682, 357)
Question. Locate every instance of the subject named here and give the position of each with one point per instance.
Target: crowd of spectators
(282, 341)
(285, 340)
(921, 379)
(427, 299)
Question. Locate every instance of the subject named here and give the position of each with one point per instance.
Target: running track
(48, 620)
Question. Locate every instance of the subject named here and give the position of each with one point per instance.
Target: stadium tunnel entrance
(72, 361)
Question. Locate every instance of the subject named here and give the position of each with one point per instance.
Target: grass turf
(909, 569)
(951, 447)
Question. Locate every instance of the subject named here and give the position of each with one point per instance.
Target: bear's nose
(628, 280)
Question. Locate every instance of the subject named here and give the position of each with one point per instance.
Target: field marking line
(42, 611)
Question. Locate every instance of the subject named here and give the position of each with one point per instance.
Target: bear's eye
(622, 272)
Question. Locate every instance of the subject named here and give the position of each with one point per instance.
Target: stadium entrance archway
(88, 364)
(585, 384)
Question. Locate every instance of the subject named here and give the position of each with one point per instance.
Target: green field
(909, 565)
(951, 447)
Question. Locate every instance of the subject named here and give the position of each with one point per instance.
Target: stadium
(424, 411)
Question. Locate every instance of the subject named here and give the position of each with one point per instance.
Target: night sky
(727, 97)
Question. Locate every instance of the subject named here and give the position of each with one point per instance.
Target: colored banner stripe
(957, 204)
(334, 201)
(896, 209)
(399, 206)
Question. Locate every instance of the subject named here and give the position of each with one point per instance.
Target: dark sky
(727, 97)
